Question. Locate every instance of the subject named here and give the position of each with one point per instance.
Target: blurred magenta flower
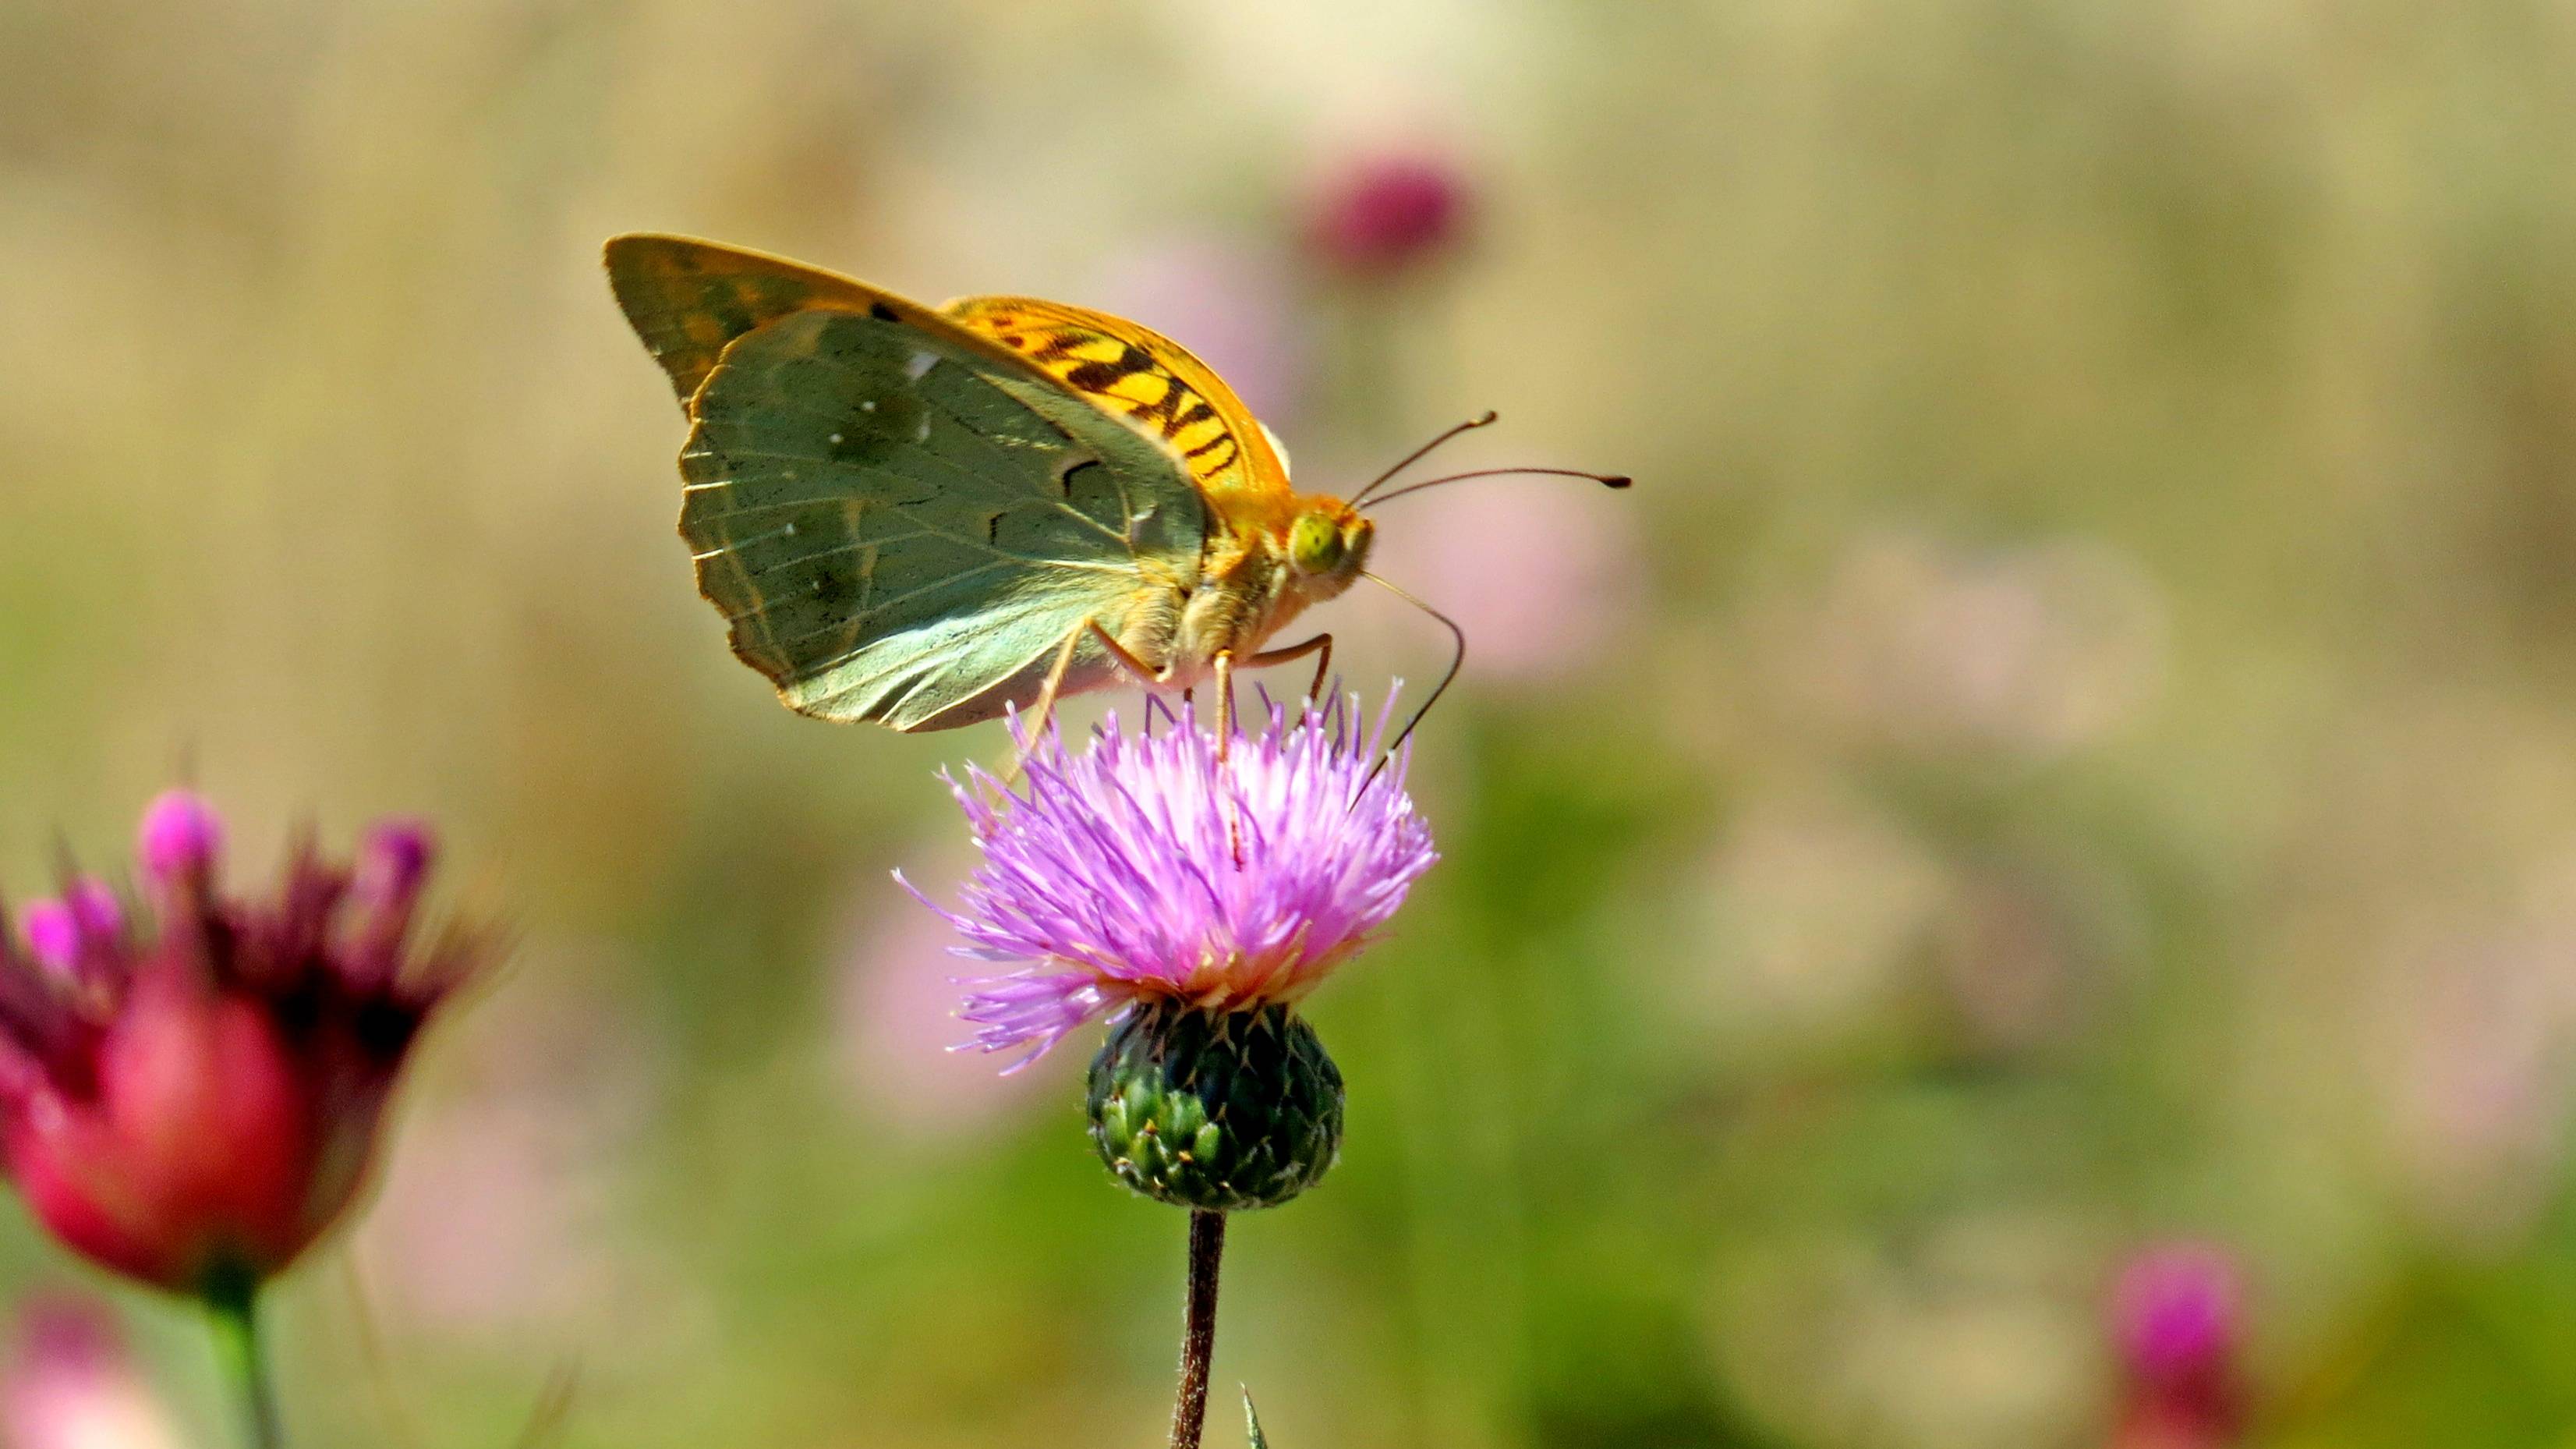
(190, 1091)
(2177, 1317)
(1148, 870)
(1386, 213)
(68, 1384)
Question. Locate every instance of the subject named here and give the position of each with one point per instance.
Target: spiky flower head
(191, 1083)
(2177, 1314)
(1196, 890)
(1146, 869)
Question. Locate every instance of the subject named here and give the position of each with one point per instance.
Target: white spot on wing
(919, 363)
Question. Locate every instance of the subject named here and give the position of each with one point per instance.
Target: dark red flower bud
(2176, 1315)
(193, 1098)
(1384, 215)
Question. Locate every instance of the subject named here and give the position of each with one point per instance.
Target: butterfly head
(1330, 544)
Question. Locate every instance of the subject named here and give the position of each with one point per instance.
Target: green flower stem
(245, 1363)
(1198, 1333)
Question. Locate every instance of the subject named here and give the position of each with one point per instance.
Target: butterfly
(923, 517)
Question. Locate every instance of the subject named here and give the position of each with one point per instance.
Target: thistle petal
(1145, 867)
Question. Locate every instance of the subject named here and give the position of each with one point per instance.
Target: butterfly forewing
(688, 299)
(900, 530)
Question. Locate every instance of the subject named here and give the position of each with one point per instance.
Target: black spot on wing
(1174, 424)
(730, 313)
(1064, 475)
(838, 588)
(869, 429)
(1095, 377)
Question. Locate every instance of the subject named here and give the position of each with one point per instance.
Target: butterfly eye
(1315, 544)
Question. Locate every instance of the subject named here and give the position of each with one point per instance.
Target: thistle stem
(245, 1362)
(1198, 1333)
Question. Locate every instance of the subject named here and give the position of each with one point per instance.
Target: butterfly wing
(687, 299)
(1155, 383)
(1246, 589)
(901, 520)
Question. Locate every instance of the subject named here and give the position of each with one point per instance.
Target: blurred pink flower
(2479, 1021)
(1542, 575)
(2031, 650)
(1383, 214)
(500, 1211)
(68, 1384)
(2177, 1319)
(896, 1020)
(1229, 302)
(1814, 907)
(1954, 1333)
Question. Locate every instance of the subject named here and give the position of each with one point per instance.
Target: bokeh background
(2070, 745)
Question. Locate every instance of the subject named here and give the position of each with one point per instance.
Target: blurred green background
(2071, 742)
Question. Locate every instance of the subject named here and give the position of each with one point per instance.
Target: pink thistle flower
(68, 1384)
(2177, 1317)
(1147, 870)
(190, 1091)
(1388, 213)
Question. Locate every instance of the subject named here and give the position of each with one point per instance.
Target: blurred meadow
(2070, 745)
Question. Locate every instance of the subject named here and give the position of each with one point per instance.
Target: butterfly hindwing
(902, 527)
(1157, 385)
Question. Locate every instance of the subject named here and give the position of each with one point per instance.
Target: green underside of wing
(898, 532)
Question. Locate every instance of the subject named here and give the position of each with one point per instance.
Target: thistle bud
(1216, 1110)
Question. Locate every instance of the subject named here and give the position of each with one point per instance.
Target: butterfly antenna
(1606, 480)
(1485, 420)
(1457, 661)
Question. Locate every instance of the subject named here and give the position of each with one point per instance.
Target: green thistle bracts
(1219, 1111)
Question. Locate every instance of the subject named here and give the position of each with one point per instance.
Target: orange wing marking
(1163, 390)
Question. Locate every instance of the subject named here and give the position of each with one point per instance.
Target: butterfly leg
(1224, 743)
(1145, 673)
(1224, 702)
(1042, 712)
(1321, 645)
